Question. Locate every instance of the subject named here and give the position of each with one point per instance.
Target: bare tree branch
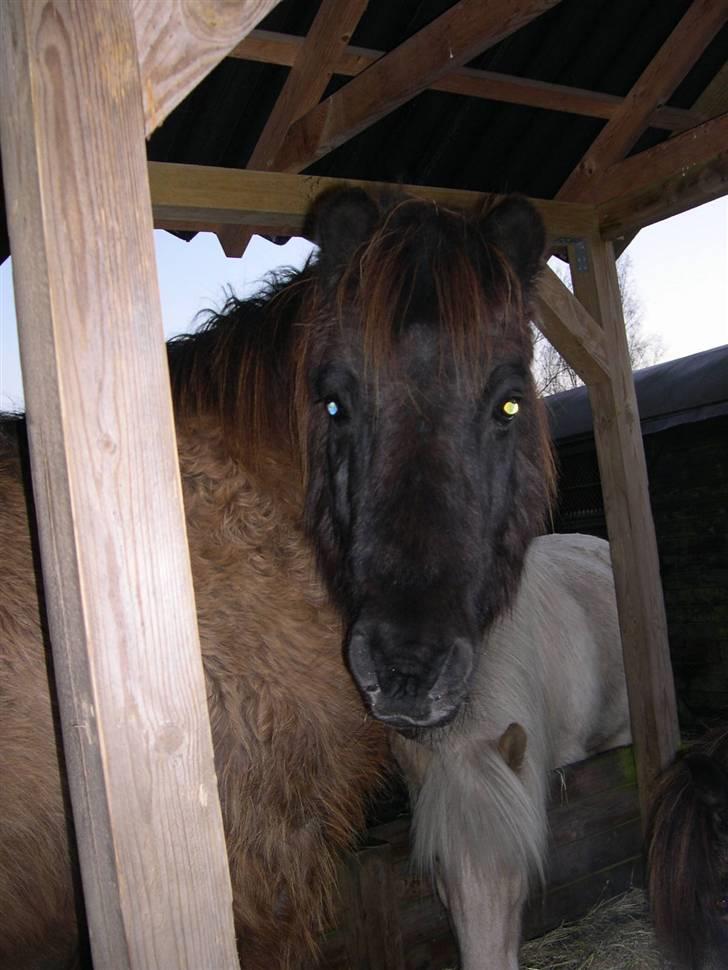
(553, 374)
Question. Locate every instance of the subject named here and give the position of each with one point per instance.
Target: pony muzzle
(409, 684)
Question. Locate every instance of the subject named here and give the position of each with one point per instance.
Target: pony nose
(406, 682)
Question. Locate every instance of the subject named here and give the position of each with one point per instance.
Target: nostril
(406, 677)
(361, 663)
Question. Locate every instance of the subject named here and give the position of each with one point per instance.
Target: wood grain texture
(118, 588)
(196, 196)
(623, 473)
(676, 156)
(590, 816)
(687, 170)
(455, 37)
(668, 68)
(373, 933)
(271, 47)
(311, 71)
(603, 772)
(180, 41)
(565, 323)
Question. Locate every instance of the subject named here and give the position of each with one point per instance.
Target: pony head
(687, 860)
(710, 782)
(428, 465)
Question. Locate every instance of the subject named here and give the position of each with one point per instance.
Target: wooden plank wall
(596, 845)
(689, 500)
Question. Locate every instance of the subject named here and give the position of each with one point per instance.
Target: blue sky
(680, 267)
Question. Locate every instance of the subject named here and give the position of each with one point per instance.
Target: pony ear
(512, 746)
(339, 222)
(516, 228)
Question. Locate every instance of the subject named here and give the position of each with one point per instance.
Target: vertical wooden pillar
(106, 481)
(630, 524)
(373, 933)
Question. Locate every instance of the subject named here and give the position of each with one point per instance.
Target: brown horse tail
(687, 851)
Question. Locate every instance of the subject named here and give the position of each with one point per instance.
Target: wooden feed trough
(390, 920)
(83, 84)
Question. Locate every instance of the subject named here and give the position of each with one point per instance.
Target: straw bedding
(615, 935)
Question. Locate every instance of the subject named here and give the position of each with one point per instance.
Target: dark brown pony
(373, 414)
(687, 854)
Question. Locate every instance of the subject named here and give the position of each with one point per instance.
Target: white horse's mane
(474, 810)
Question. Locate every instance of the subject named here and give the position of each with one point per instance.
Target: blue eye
(332, 407)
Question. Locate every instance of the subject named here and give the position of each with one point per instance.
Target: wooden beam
(623, 241)
(675, 156)
(687, 170)
(333, 25)
(117, 582)
(667, 69)
(371, 913)
(180, 41)
(554, 97)
(714, 99)
(707, 183)
(565, 323)
(455, 37)
(269, 47)
(195, 196)
(630, 525)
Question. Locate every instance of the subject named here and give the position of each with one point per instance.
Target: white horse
(549, 690)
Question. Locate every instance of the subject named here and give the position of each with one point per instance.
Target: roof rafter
(310, 72)
(714, 99)
(457, 36)
(687, 170)
(712, 102)
(179, 43)
(269, 47)
(656, 84)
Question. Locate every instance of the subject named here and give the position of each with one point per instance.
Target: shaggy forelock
(477, 297)
(473, 809)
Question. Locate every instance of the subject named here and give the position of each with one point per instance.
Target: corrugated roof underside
(446, 139)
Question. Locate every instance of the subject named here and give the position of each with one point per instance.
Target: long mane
(236, 367)
(474, 810)
(683, 865)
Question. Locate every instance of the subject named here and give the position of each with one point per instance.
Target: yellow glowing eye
(510, 408)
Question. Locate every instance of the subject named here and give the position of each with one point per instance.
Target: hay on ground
(615, 935)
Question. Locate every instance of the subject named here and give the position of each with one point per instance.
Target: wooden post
(116, 570)
(373, 933)
(630, 525)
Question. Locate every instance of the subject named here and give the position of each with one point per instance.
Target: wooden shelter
(683, 406)
(610, 112)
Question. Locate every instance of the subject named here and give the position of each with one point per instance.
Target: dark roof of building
(439, 138)
(678, 392)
